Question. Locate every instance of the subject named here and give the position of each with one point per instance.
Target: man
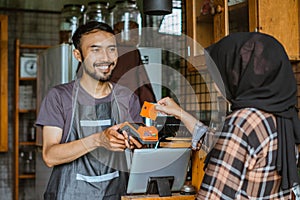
(80, 120)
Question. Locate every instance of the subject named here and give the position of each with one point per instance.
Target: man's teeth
(104, 67)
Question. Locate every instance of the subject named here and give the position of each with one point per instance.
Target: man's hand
(130, 142)
(112, 140)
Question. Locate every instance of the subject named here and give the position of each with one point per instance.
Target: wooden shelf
(27, 176)
(238, 6)
(32, 46)
(23, 116)
(27, 143)
(26, 110)
(205, 19)
(27, 79)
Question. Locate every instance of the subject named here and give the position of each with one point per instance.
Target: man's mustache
(109, 64)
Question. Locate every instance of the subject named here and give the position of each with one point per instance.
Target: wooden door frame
(3, 83)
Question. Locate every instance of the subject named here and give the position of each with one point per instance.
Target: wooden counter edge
(175, 196)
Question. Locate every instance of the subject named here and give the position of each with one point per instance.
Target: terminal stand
(160, 185)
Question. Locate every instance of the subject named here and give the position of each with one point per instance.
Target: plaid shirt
(243, 162)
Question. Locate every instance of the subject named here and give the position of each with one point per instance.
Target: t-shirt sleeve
(51, 110)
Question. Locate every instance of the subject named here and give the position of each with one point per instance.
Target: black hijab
(256, 72)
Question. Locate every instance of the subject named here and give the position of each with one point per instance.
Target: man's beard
(94, 75)
(99, 77)
(105, 79)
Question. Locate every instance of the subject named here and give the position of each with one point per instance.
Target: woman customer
(254, 156)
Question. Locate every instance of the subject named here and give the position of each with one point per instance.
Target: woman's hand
(168, 106)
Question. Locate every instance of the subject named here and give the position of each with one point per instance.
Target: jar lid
(123, 1)
(105, 3)
(73, 7)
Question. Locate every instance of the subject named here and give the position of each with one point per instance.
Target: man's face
(99, 54)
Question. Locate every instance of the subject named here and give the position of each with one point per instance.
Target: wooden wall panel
(3, 83)
(281, 19)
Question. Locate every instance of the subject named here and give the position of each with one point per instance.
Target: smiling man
(80, 120)
(100, 47)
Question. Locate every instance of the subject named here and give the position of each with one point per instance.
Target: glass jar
(127, 22)
(98, 11)
(31, 132)
(71, 18)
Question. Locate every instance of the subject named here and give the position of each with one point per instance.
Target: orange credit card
(148, 110)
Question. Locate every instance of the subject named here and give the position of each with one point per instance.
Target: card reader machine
(144, 134)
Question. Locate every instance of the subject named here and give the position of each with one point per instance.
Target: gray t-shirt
(56, 107)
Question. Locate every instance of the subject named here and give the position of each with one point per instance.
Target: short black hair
(88, 27)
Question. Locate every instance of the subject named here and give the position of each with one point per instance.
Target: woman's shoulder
(250, 112)
(250, 118)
